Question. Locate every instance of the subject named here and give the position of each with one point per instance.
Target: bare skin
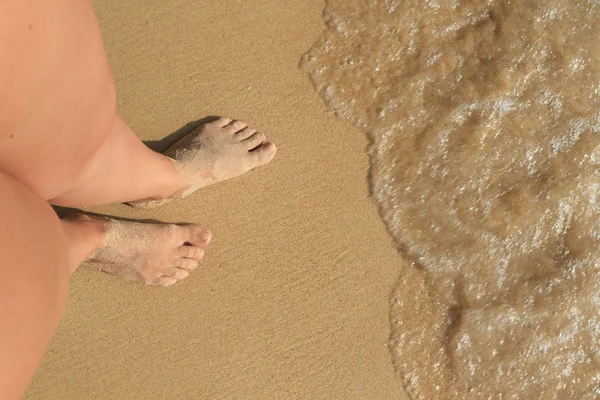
(33, 293)
(154, 254)
(214, 152)
(163, 254)
(61, 141)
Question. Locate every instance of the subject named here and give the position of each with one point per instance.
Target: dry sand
(292, 299)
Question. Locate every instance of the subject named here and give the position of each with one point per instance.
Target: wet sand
(292, 301)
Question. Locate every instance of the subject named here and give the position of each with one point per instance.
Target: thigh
(58, 97)
(35, 271)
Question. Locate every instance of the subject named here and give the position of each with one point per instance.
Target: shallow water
(484, 120)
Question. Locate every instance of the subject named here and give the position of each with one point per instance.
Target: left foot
(154, 254)
(214, 152)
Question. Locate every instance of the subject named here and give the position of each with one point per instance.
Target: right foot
(154, 254)
(214, 152)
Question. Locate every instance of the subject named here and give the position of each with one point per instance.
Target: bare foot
(155, 254)
(214, 152)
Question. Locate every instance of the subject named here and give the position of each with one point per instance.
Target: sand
(292, 300)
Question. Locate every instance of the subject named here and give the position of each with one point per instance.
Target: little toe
(191, 252)
(236, 126)
(197, 235)
(245, 133)
(264, 153)
(163, 281)
(187, 263)
(222, 122)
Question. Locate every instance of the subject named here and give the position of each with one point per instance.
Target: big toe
(197, 235)
(263, 154)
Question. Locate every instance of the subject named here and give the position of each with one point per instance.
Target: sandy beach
(292, 299)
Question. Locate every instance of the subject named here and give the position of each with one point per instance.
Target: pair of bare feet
(163, 254)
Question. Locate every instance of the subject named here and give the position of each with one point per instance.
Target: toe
(187, 263)
(264, 153)
(236, 126)
(177, 273)
(245, 133)
(163, 281)
(254, 140)
(191, 252)
(197, 235)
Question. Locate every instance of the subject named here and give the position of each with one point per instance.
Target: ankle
(174, 183)
(85, 236)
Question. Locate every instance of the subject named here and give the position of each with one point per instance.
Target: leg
(124, 169)
(39, 252)
(34, 263)
(58, 96)
(59, 133)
